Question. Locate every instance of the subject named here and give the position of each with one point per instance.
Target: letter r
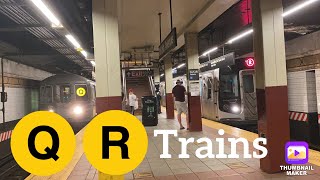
(106, 142)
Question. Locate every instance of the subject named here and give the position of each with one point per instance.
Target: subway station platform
(186, 169)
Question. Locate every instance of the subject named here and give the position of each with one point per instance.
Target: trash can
(149, 111)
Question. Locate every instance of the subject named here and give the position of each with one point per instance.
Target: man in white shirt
(132, 101)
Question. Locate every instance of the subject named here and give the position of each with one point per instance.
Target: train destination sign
(193, 74)
(219, 62)
(139, 73)
(169, 43)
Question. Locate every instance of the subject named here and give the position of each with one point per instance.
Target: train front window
(65, 93)
(81, 92)
(248, 84)
(229, 88)
(46, 94)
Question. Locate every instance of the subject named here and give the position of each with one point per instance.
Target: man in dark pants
(178, 93)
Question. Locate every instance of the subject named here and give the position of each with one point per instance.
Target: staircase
(140, 87)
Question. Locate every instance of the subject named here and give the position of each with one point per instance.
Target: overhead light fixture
(73, 41)
(174, 69)
(162, 75)
(210, 51)
(84, 53)
(93, 63)
(298, 7)
(240, 36)
(139, 69)
(181, 65)
(46, 11)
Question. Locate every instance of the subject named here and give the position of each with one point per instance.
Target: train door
(215, 96)
(248, 94)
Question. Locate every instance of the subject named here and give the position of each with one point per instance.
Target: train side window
(248, 84)
(81, 92)
(65, 93)
(209, 85)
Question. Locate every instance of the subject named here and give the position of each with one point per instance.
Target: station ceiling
(27, 37)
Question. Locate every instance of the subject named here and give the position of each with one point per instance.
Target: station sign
(193, 74)
(219, 62)
(139, 73)
(169, 43)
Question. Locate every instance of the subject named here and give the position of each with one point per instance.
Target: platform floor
(185, 169)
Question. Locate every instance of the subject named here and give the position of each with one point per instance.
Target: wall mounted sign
(193, 74)
(169, 43)
(219, 62)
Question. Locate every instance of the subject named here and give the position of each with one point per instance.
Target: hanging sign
(139, 73)
(169, 43)
(219, 62)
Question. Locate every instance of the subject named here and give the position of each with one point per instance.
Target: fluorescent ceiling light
(46, 11)
(84, 53)
(139, 69)
(240, 36)
(181, 65)
(210, 51)
(73, 41)
(93, 63)
(174, 69)
(298, 7)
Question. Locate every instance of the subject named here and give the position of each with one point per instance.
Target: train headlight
(50, 109)
(77, 110)
(235, 109)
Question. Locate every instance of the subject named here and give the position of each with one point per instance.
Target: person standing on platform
(178, 93)
(132, 101)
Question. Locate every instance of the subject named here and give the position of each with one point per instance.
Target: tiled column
(107, 56)
(272, 95)
(169, 86)
(194, 104)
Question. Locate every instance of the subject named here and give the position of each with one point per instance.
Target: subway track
(10, 170)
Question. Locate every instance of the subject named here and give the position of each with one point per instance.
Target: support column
(271, 81)
(169, 86)
(194, 104)
(107, 55)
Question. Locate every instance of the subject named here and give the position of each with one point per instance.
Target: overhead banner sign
(219, 62)
(139, 73)
(169, 43)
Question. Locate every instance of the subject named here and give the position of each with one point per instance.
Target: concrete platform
(185, 169)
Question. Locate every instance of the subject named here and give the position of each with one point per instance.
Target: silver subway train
(227, 90)
(71, 96)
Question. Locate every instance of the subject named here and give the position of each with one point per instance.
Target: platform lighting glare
(174, 69)
(46, 11)
(240, 36)
(84, 53)
(181, 65)
(210, 51)
(298, 7)
(73, 41)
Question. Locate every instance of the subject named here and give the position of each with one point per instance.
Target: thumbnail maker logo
(296, 152)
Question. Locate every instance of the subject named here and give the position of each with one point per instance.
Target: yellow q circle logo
(43, 143)
(81, 92)
(115, 142)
